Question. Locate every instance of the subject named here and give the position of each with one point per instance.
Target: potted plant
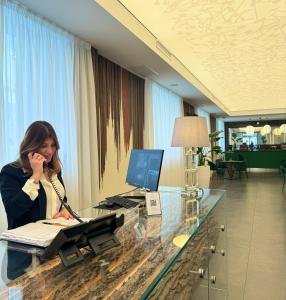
(202, 156)
(215, 149)
(235, 139)
(205, 155)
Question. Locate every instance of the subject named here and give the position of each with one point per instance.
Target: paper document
(40, 233)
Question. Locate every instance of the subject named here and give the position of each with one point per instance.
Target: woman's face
(48, 149)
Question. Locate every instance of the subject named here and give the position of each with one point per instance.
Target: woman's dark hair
(35, 136)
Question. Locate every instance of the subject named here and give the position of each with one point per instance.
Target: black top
(20, 209)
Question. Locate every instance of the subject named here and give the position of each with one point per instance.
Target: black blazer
(20, 209)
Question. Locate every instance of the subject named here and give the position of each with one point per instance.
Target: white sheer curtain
(220, 126)
(202, 113)
(86, 126)
(46, 75)
(161, 108)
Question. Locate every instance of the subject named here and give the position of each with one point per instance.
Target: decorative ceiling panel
(237, 49)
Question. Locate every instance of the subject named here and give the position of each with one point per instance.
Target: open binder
(97, 233)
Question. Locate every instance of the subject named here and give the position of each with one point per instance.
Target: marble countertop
(146, 249)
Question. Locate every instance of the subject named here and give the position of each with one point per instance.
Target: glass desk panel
(149, 247)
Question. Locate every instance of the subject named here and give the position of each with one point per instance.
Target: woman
(26, 185)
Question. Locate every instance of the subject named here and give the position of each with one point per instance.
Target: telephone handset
(66, 206)
(47, 165)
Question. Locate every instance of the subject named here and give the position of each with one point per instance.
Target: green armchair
(241, 167)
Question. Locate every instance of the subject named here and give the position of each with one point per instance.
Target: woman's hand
(36, 162)
(63, 213)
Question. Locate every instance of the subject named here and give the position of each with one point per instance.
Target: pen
(56, 224)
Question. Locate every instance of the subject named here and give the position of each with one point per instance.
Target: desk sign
(153, 203)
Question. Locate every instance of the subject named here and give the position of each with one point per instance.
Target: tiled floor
(256, 215)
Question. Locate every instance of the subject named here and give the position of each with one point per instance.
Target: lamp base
(192, 192)
(191, 169)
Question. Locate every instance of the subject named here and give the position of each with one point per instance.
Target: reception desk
(259, 159)
(181, 252)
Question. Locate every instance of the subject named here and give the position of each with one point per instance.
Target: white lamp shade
(190, 132)
(267, 129)
(283, 128)
(249, 130)
(277, 131)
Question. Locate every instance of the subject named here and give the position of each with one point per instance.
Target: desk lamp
(190, 132)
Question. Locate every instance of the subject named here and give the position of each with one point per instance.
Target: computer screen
(144, 168)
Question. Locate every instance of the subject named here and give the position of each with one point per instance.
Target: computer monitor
(144, 168)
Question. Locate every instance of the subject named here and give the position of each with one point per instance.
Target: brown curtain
(117, 90)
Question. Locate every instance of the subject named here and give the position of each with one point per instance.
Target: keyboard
(140, 197)
(120, 201)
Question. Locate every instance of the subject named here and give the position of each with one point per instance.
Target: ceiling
(235, 48)
(234, 72)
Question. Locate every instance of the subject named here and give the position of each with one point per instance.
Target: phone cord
(67, 207)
